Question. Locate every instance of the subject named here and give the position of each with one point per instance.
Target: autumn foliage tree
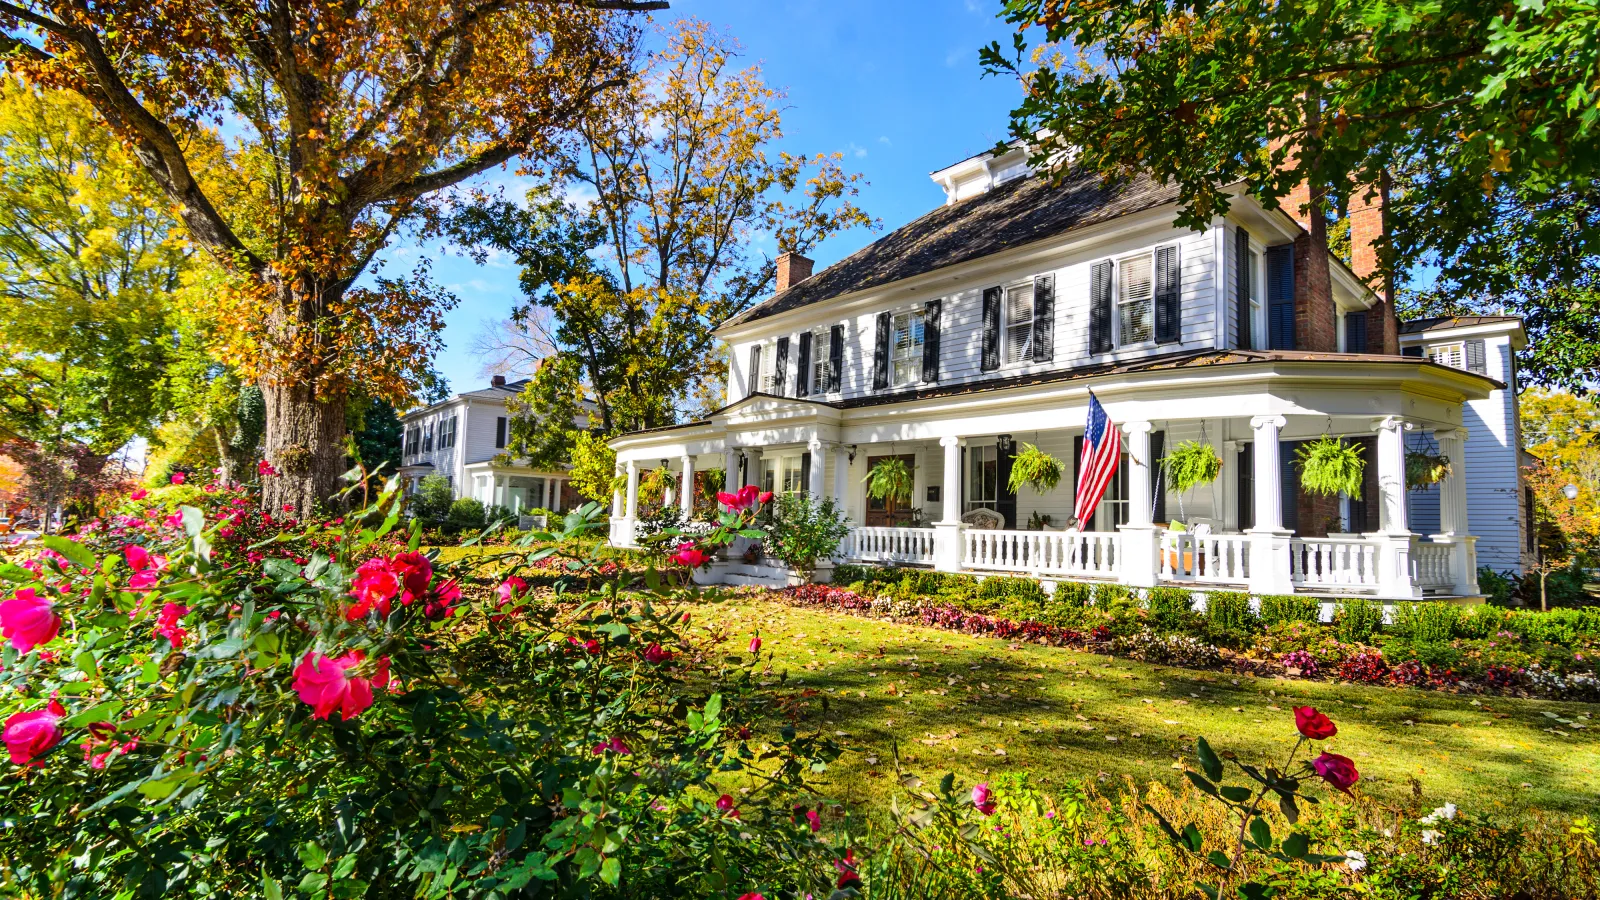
(350, 119)
(684, 174)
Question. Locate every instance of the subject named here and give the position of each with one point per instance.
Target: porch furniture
(986, 519)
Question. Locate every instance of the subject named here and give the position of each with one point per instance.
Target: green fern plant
(1330, 467)
(1036, 469)
(1191, 464)
(889, 479)
(1424, 469)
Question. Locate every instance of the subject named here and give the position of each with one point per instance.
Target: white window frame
(767, 382)
(821, 363)
(917, 338)
(1120, 342)
(776, 471)
(1258, 302)
(1443, 354)
(1006, 325)
(977, 455)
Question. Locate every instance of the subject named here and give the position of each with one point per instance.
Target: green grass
(982, 706)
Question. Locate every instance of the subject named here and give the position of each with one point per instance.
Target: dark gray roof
(1015, 213)
(1435, 323)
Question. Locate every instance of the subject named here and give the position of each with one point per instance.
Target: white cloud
(884, 140)
(856, 150)
(977, 7)
(958, 56)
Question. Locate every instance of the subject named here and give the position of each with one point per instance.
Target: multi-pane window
(769, 370)
(905, 347)
(447, 433)
(1019, 323)
(1452, 355)
(983, 478)
(427, 438)
(821, 362)
(1136, 299)
(1257, 320)
(1113, 508)
(782, 475)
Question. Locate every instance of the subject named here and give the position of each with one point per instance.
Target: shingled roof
(1013, 214)
(1434, 323)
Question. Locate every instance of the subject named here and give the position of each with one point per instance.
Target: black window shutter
(1289, 484)
(1044, 318)
(1475, 360)
(1077, 457)
(1169, 313)
(930, 340)
(1280, 297)
(1241, 288)
(835, 357)
(1247, 481)
(1100, 307)
(880, 354)
(1158, 481)
(991, 329)
(780, 366)
(805, 472)
(1005, 498)
(754, 378)
(500, 431)
(802, 366)
(1355, 332)
(1411, 351)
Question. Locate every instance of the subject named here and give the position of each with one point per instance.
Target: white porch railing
(889, 545)
(1094, 554)
(1431, 565)
(1325, 563)
(1214, 558)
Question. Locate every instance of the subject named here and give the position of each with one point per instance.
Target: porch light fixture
(1005, 442)
(663, 464)
(1571, 491)
(852, 454)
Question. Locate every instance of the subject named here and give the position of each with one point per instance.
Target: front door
(892, 511)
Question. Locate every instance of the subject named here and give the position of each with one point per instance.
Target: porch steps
(741, 574)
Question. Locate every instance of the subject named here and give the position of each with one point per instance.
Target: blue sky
(893, 84)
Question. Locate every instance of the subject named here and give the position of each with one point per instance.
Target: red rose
(1339, 771)
(1313, 724)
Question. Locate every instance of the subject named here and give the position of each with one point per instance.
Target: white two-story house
(987, 322)
(464, 439)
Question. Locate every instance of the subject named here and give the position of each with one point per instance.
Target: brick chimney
(497, 381)
(1367, 205)
(792, 269)
(1315, 322)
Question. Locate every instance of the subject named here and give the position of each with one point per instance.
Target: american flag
(1102, 448)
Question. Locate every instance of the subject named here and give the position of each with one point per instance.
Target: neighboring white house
(460, 438)
(985, 324)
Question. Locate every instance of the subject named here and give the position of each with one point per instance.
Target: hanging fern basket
(889, 479)
(1036, 469)
(1330, 467)
(1425, 469)
(1191, 464)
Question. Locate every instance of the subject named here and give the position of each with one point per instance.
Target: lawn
(983, 706)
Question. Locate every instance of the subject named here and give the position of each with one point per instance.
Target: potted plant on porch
(1330, 467)
(1424, 469)
(805, 534)
(890, 479)
(1036, 469)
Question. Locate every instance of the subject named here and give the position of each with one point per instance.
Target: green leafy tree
(89, 263)
(684, 172)
(1483, 113)
(376, 436)
(431, 503)
(594, 467)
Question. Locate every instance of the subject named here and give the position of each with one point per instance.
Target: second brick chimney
(497, 381)
(1367, 205)
(792, 269)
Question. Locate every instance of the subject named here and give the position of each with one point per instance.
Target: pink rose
(725, 806)
(755, 644)
(167, 624)
(265, 469)
(615, 745)
(29, 734)
(656, 653)
(510, 589)
(28, 620)
(375, 585)
(690, 556)
(1313, 724)
(178, 477)
(751, 896)
(743, 500)
(765, 497)
(139, 494)
(983, 798)
(327, 685)
(414, 572)
(1338, 771)
(138, 557)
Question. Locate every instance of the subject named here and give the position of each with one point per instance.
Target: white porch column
(1270, 541)
(1453, 512)
(686, 487)
(1228, 509)
(947, 531)
(1140, 552)
(841, 478)
(819, 469)
(1394, 536)
(631, 510)
(752, 467)
(619, 534)
(730, 469)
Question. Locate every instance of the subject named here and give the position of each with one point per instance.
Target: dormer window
(1452, 355)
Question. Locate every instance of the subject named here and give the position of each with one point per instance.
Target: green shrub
(1484, 621)
(1229, 619)
(466, 514)
(1073, 593)
(1500, 587)
(1112, 596)
(957, 587)
(1425, 622)
(806, 530)
(432, 500)
(1002, 588)
(1281, 608)
(1171, 608)
(1357, 620)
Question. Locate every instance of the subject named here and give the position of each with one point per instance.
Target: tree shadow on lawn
(1062, 715)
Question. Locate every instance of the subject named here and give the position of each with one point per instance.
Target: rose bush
(206, 702)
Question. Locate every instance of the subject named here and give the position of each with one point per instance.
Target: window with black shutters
(1136, 294)
(1355, 332)
(802, 367)
(500, 432)
(835, 358)
(1018, 341)
(1247, 481)
(822, 362)
(1280, 297)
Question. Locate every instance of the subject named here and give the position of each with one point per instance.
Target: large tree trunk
(305, 442)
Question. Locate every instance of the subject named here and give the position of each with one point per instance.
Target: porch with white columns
(686, 486)
(1393, 538)
(1270, 571)
(1453, 529)
(1140, 547)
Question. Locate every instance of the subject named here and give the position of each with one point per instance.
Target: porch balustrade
(1088, 554)
(1332, 564)
(912, 546)
(1209, 558)
(1431, 565)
